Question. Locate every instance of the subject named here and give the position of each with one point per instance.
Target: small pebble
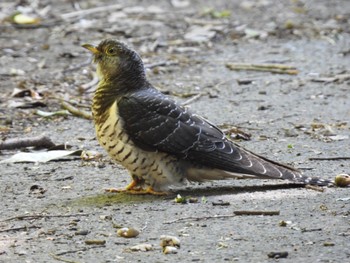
(128, 232)
(142, 247)
(169, 241)
(283, 254)
(82, 232)
(169, 250)
(342, 180)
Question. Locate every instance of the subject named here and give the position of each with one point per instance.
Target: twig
(221, 203)
(194, 98)
(77, 250)
(15, 143)
(85, 87)
(339, 77)
(18, 228)
(75, 111)
(91, 11)
(256, 213)
(40, 216)
(78, 66)
(274, 68)
(197, 218)
(62, 259)
(161, 63)
(314, 187)
(329, 158)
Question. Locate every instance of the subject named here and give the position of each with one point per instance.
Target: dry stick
(90, 84)
(15, 143)
(18, 228)
(92, 11)
(195, 97)
(78, 66)
(62, 259)
(40, 216)
(75, 251)
(314, 187)
(197, 218)
(75, 111)
(329, 158)
(161, 63)
(256, 213)
(274, 68)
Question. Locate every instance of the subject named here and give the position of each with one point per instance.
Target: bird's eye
(111, 51)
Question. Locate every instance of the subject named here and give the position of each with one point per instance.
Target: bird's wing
(156, 123)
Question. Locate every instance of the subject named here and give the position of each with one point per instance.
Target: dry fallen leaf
(39, 157)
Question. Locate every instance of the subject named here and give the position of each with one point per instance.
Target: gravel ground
(50, 210)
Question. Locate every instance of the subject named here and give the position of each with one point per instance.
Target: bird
(160, 142)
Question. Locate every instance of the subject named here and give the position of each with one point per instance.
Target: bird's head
(116, 61)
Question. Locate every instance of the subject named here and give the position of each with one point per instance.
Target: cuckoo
(160, 142)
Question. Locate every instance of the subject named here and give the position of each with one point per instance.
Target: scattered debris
(41, 141)
(40, 157)
(335, 78)
(256, 213)
(91, 155)
(273, 68)
(342, 180)
(75, 111)
(315, 188)
(128, 232)
(50, 114)
(142, 247)
(166, 240)
(221, 203)
(169, 244)
(278, 254)
(95, 242)
(170, 250)
(180, 200)
(328, 244)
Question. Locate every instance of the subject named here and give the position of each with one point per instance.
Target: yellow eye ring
(111, 51)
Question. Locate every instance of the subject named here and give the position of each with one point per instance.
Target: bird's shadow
(107, 199)
(231, 190)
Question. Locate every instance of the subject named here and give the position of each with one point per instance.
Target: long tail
(254, 166)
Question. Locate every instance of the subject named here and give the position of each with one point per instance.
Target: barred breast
(154, 169)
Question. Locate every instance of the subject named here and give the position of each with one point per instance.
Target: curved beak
(91, 48)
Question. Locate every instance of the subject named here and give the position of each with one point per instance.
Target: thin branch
(94, 10)
(85, 87)
(75, 111)
(314, 187)
(256, 213)
(329, 158)
(16, 143)
(197, 218)
(161, 63)
(194, 98)
(62, 259)
(76, 250)
(18, 228)
(78, 66)
(274, 68)
(40, 216)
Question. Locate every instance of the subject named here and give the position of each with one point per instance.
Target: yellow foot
(134, 189)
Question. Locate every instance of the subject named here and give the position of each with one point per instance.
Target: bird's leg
(135, 188)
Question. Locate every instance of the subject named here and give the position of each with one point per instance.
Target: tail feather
(254, 166)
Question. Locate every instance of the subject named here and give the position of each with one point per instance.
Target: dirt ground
(50, 211)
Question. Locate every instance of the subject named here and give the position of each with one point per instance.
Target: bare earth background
(50, 210)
